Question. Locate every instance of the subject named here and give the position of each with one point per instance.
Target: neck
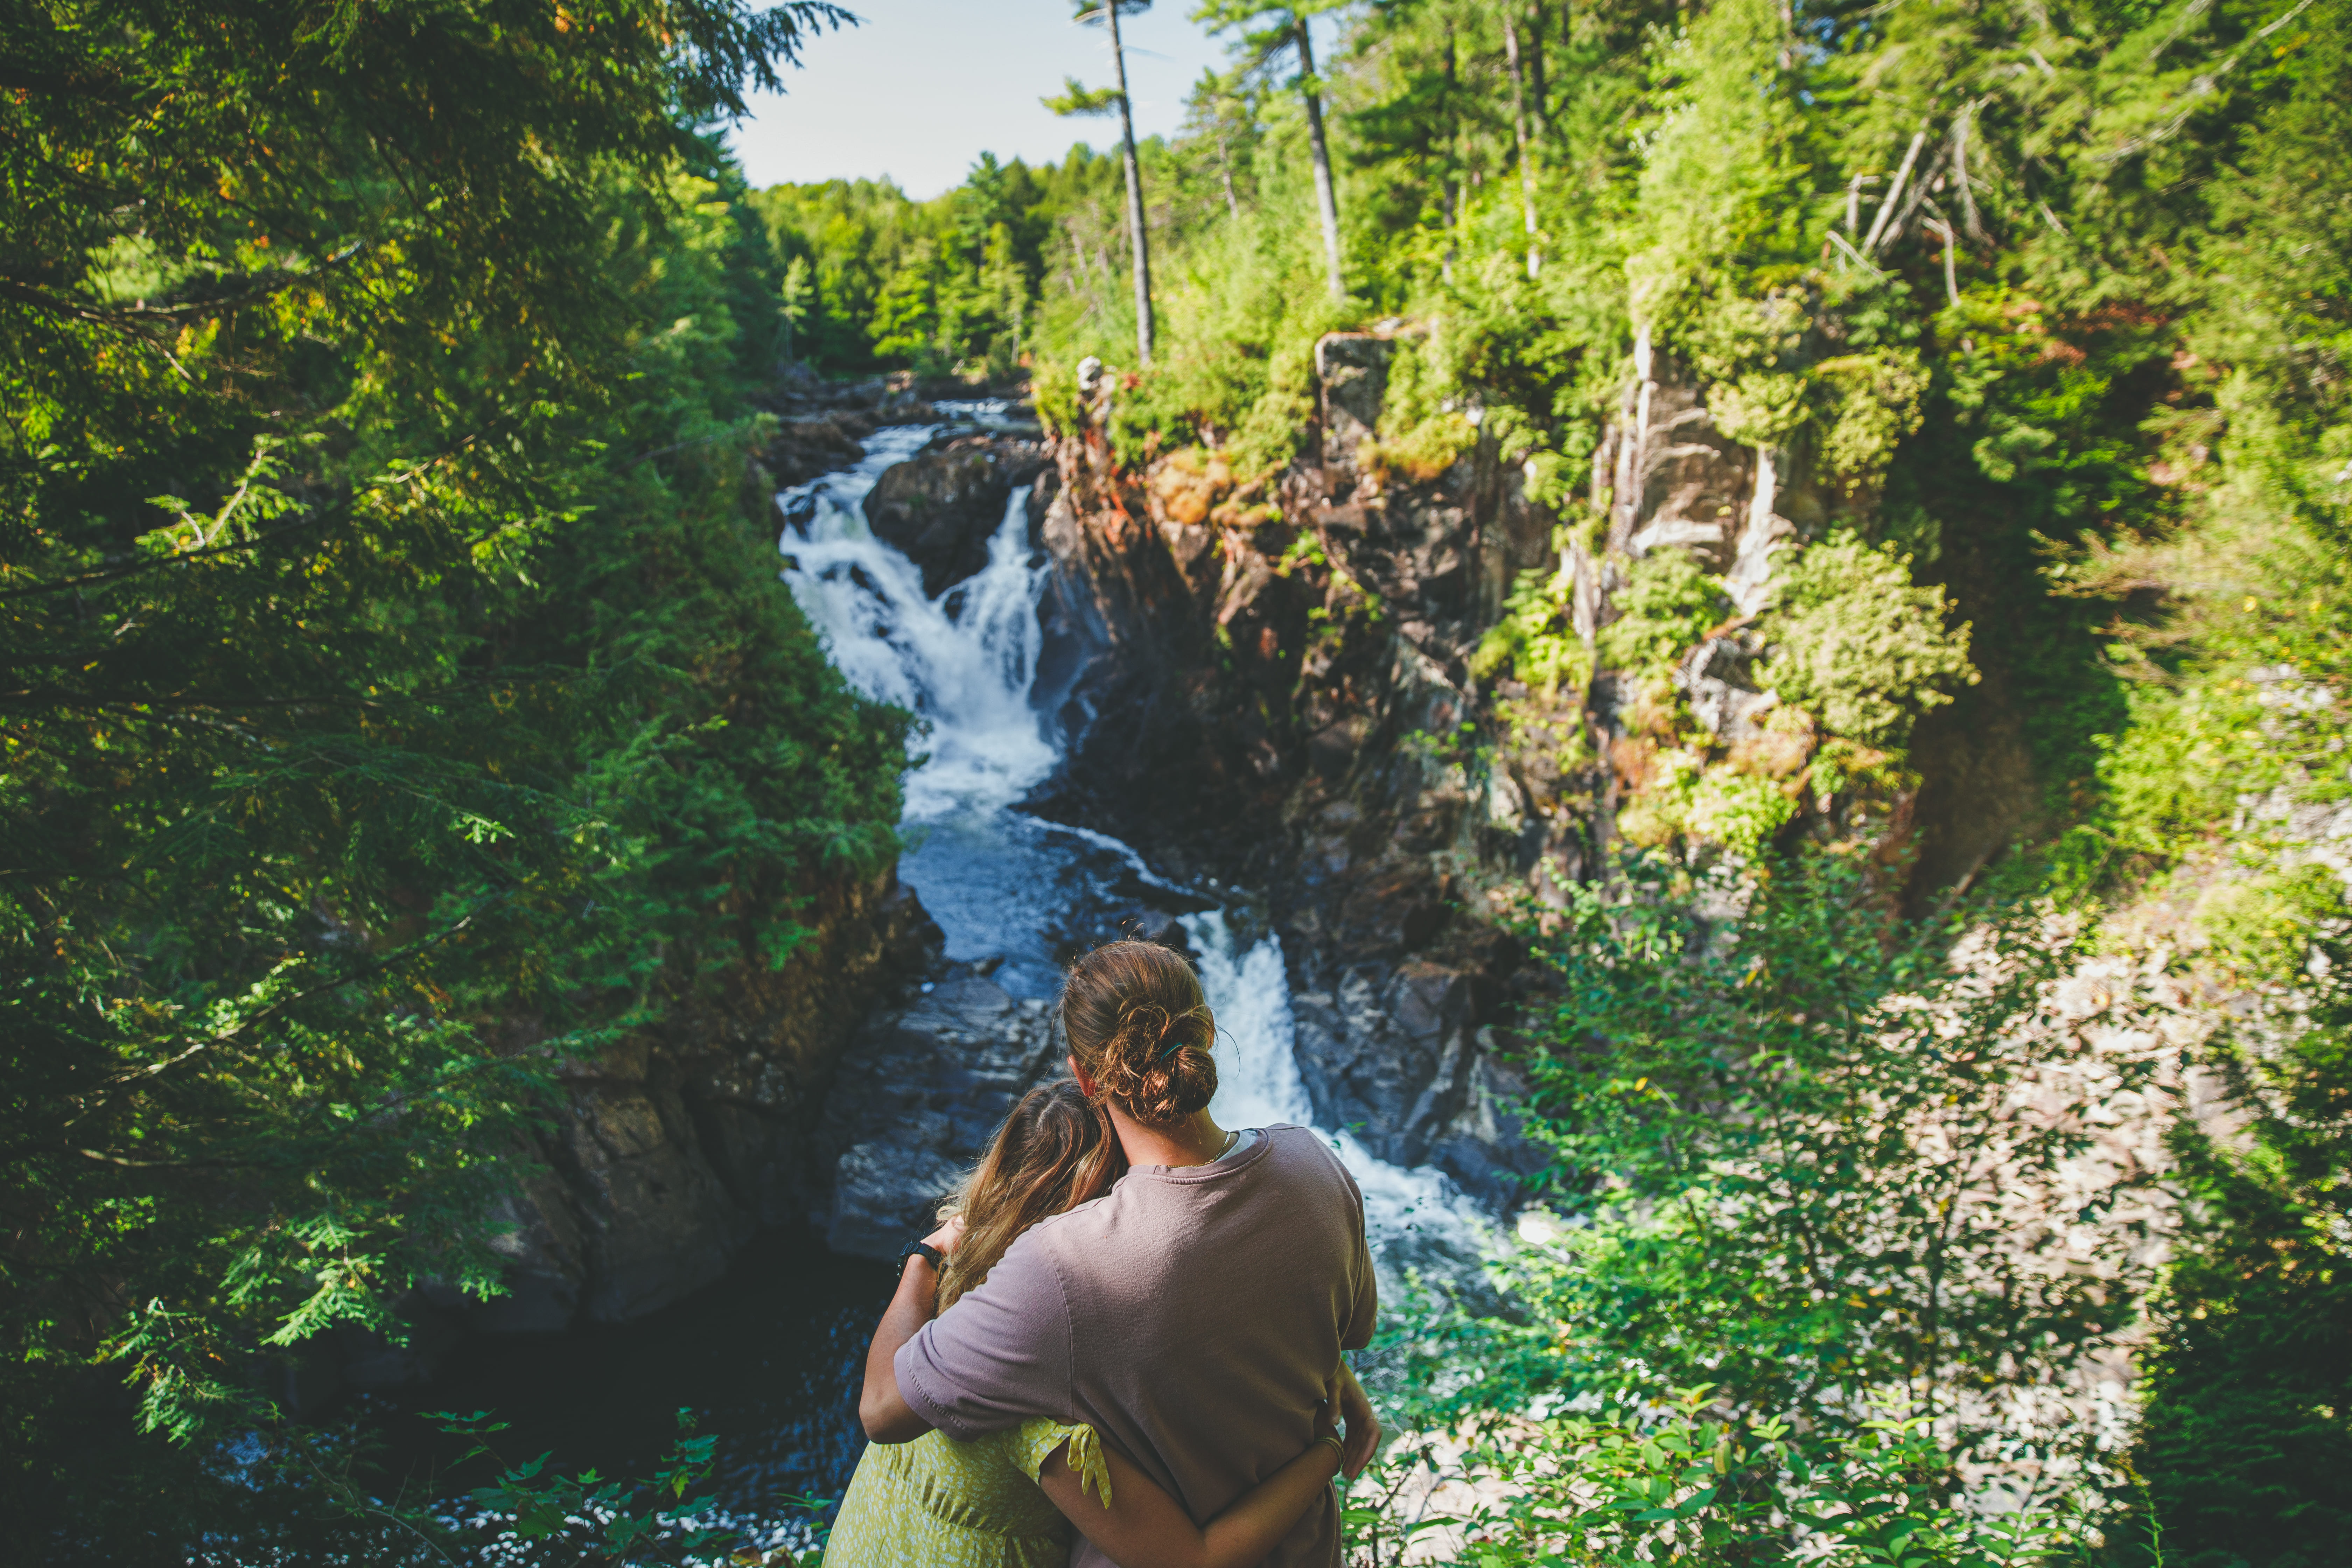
(1195, 1140)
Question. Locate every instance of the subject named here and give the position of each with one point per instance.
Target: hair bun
(1131, 1009)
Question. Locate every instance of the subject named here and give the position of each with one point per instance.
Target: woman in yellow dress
(939, 1503)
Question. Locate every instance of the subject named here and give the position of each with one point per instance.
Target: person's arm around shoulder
(1143, 1527)
(999, 1356)
(881, 1409)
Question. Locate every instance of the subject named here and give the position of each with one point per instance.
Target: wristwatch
(924, 1247)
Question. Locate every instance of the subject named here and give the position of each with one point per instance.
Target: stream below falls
(768, 1357)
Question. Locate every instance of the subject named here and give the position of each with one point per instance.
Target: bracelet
(919, 1249)
(1333, 1438)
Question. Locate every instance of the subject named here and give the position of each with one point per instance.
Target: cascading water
(1009, 887)
(962, 662)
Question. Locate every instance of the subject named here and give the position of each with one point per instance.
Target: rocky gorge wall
(1280, 682)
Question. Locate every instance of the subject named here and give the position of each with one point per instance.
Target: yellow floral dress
(937, 1503)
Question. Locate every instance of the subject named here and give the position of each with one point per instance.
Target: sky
(922, 87)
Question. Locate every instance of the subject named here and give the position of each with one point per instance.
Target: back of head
(1141, 1028)
(1053, 1153)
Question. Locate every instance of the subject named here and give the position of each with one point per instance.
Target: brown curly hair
(1141, 1028)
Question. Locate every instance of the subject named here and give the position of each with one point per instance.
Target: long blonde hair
(1052, 1153)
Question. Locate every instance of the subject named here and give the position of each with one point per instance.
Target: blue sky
(924, 85)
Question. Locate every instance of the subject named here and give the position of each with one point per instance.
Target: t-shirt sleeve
(997, 1357)
(1365, 1310)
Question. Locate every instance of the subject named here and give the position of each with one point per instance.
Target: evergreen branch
(253, 286)
(226, 1037)
(116, 573)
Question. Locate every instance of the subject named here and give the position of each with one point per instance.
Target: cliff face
(1281, 683)
(672, 1148)
(1266, 683)
(679, 1142)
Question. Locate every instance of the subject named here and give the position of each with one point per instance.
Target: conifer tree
(1077, 99)
(1268, 33)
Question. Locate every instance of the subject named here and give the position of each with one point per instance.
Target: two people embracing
(1123, 1346)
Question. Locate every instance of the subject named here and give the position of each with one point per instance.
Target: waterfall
(962, 662)
(1417, 1218)
(996, 881)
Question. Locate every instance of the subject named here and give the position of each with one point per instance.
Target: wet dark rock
(941, 508)
(804, 448)
(922, 1091)
(679, 1143)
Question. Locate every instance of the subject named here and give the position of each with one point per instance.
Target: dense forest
(397, 706)
(399, 700)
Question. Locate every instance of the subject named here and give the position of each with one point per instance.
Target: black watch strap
(924, 1247)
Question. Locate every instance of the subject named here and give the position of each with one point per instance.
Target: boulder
(940, 509)
(921, 1094)
(804, 450)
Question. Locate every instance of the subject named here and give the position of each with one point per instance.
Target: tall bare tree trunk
(1327, 198)
(1519, 122)
(1454, 174)
(1538, 97)
(1135, 223)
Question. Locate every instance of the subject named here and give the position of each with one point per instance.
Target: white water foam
(1417, 1216)
(965, 662)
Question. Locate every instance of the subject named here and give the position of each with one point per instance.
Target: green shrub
(1668, 602)
(1857, 643)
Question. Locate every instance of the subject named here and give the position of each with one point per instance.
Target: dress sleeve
(997, 1357)
(1039, 1439)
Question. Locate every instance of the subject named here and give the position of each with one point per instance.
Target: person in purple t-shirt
(1193, 1316)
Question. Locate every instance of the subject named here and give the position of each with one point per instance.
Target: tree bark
(1539, 98)
(1135, 223)
(1519, 124)
(1326, 199)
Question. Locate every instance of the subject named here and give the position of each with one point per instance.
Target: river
(768, 1358)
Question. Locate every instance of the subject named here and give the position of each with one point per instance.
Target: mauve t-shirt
(1190, 1316)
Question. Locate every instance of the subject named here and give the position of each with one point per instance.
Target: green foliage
(1857, 644)
(1418, 435)
(2249, 1405)
(317, 1494)
(1741, 811)
(1661, 1477)
(1534, 641)
(1668, 602)
(1791, 1148)
(585, 1516)
(1875, 401)
(938, 284)
(1078, 99)
(1804, 1266)
(399, 701)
